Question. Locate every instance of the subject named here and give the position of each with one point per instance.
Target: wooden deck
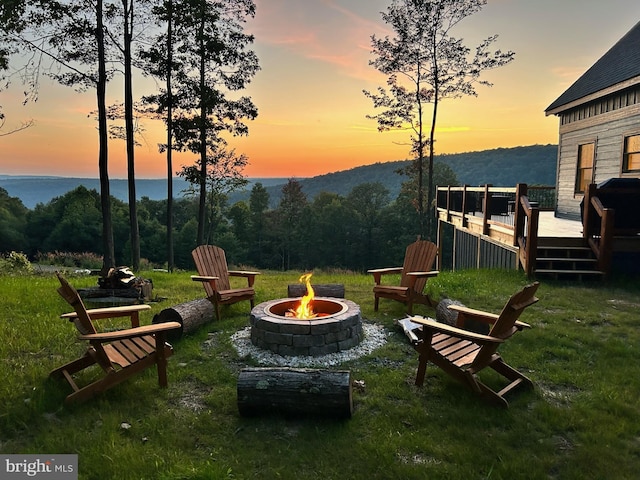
(496, 227)
(552, 226)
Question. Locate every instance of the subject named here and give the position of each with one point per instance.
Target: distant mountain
(33, 189)
(534, 165)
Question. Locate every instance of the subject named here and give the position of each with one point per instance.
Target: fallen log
(334, 290)
(190, 315)
(450, 317)
(443, 314)
(295, 391)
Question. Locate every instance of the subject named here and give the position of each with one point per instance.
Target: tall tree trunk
(432, 136)
(170, 257)
(108, 260)
(127, 7)
(420, 161)
(429, 210)
(203, 139)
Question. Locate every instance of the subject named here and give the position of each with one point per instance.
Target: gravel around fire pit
(374, 337)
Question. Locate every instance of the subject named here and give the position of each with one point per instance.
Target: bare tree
(23, 125)
(424, 65)
(11, 12)
(67, 42)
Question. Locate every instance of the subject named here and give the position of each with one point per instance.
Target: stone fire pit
(338, 327)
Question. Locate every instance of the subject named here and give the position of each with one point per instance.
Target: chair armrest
(484, 316)
(131, 332)
(430, 274)
(454, 331)
(475, 314)
(203, 278)
(385, 270)
(206, 279)
(378, 272)
(242, 273)
(250, 276)
(109, 312)
(414, 276)
(131, 311)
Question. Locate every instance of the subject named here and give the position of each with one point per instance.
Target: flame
(305, 309)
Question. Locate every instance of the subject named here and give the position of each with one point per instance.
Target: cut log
(190, 315)
(443, 314)
(295, 391)
(334, 290)
(450, 317)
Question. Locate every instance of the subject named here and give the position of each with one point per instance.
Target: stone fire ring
(315, 337)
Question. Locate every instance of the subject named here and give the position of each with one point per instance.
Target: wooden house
(599, 125)
(587, 226)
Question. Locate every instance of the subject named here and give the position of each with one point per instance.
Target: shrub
(15, 263)
(88, 260)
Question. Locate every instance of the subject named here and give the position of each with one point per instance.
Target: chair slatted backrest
(82, 321)
(420, 256)
(504, 327)
(211, 261)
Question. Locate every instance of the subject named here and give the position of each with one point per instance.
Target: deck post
(464, 206)
(605, 252)
(518, 219)
(532, 239)
(587, 217)
(485, 207)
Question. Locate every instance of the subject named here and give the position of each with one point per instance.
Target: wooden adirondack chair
(120, 354)
(419, 259)
(463, 354)
(211, 263)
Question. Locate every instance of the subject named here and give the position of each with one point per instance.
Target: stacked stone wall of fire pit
(318, 336)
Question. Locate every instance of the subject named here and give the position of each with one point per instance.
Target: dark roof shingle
(620, 63)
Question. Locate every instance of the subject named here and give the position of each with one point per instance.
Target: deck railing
(508, 214)
(602, 226)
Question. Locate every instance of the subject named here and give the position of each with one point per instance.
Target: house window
(631, 156)
(584, 174)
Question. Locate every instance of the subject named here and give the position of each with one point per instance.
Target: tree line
(197, 52)
(200, 56)
(362, 229)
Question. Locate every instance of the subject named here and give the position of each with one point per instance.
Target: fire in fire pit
(304, 308)
(309, 326)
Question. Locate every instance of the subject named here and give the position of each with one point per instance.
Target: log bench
(334, 290)
(190, 315)
(295, 391)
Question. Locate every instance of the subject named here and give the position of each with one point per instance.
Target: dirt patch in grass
(623, 303)
(190, 396)
(417, 459)
(558, 395)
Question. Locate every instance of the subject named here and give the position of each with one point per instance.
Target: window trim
(578, 178)
(624, 169)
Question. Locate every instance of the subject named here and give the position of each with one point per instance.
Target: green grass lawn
(581, 421)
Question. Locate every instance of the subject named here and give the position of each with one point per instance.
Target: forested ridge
(534, 165)
(357, 219)
(501, 167)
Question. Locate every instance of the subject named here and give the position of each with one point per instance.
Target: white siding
(608, 131)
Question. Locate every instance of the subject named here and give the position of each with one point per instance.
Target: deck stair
(567, 258)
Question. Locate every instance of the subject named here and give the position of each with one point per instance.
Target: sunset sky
(314, 57)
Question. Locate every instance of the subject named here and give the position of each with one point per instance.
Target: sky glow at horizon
(314, 57)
